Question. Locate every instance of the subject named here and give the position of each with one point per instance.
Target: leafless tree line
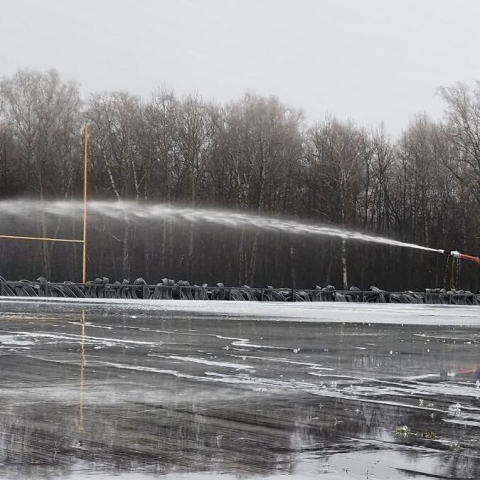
(256, 155)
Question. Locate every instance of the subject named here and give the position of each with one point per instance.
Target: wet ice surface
(194, 390)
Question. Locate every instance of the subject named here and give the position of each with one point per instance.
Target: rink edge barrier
(182, 290)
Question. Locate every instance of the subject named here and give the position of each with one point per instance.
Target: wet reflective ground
(185, 391)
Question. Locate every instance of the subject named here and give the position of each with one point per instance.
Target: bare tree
(43, 116)
(193, 137)
(116, 157)
(337, 153)
(262, 146)
(462, 130)
(159, 149)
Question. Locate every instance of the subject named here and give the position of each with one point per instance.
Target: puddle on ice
(123, 391)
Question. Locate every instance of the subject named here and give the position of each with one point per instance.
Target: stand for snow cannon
(456, 256)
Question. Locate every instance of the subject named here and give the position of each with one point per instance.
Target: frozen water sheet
(195, 390)
(296, 311)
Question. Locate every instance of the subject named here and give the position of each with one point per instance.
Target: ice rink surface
(202, 389)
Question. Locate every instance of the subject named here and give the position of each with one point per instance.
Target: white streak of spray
(146, 211)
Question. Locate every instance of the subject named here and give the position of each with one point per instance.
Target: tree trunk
(292, 262)
(241, 258)
(126, 251)
(344, 264)
(253, 260)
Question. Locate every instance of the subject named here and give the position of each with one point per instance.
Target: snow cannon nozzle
(461, 256)
(453, 253)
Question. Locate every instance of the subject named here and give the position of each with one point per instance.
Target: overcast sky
(365, 60)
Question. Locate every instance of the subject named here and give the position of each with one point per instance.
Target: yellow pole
(85, 182)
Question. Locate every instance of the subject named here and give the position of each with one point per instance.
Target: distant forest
(255, 155)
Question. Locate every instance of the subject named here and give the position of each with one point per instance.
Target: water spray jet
(148, 212)
(232, 219)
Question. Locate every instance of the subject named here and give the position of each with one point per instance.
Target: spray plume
(131, 210)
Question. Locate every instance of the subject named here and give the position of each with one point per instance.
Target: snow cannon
(461, 256)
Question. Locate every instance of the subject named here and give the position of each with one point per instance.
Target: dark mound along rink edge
(182, 290)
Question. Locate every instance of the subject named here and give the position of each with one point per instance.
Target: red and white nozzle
(461, 256)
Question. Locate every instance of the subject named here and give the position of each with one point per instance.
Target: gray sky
(366, 60)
